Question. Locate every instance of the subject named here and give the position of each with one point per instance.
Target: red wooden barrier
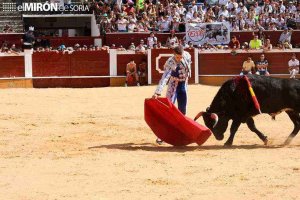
(89, 63)
(83, 63)
(124, 59)
(50, 64)
(12, 66)
(227, 64)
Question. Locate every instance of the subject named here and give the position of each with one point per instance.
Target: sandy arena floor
(94, 144)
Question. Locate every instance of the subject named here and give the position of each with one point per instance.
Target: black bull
(234, 102)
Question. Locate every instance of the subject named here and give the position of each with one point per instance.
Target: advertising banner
(212, 33)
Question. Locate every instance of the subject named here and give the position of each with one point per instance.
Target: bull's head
(217, 123)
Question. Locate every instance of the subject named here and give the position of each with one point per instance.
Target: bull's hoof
(228, 144)
(287, 141)
(266, 141)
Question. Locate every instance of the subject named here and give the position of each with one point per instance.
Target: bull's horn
(215, 117)
(199, 115)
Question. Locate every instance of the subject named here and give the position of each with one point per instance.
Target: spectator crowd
(167, 15)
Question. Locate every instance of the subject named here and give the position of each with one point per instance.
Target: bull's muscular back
(273, 94)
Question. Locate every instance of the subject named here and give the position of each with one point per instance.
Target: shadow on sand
(167, 148)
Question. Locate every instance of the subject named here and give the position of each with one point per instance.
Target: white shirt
(223, 2)
(251, 22)
(195, 8)
(122, 23)
(292, 9)
(282, 9)
(225, 13)
(232, 5)
(165, 24)
(151, 41)
(257, 10)
(293, 63)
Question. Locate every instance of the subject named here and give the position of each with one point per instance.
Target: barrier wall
(12, 66)
(224, 63)
(85, 64)
(124, 59)
(100, 69)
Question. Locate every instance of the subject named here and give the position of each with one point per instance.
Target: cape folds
(170, 125)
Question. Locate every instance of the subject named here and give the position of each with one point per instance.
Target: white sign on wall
(212, 33)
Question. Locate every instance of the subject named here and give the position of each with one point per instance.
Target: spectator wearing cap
(291, 7)
(122, 24)
(285, 36)
(262, 66)
(255, 43)
(234, 43)
(293, 66)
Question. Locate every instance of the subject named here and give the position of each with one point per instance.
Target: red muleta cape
(170, 125)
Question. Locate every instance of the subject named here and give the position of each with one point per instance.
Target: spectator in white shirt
(223, 3)
(122, 24)
(223, 12)
(189, 14)
(242, 8)
(293, 66)
(257, 9)
(292, 8)
(194, 6)
(232, 4)
(281, 7)
(286, 36)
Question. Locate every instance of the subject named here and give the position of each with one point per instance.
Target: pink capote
(170, 125)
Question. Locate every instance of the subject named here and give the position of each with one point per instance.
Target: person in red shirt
(129, 8)
(234, 43)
